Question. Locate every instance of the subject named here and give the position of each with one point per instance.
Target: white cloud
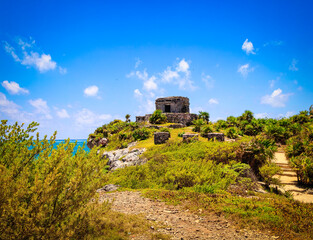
(168, 75)
(42, 62)
(138, 62)
(91, 91)
(245, 69)
(63, 113)
(150, 84)
(87, 118)
(180, 76)
(276, 99)
(248, 47)
(208, 81)
(292, 66)
(272, 83)
(62, 70)
(261, 115)
(213, 101)
(30, 58)
(13, 87)
(41, 107)
(7, 106)
(182, 66)
(137, 93)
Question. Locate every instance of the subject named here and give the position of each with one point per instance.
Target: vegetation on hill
(46, 193)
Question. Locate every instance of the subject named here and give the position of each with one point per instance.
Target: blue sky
(75, 65)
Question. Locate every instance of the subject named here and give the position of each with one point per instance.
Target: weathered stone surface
(124, 157)
(176, 110)
(173, 104)
(218, 136)
(161, 137)
(188, 137)
(177, 125)
(108, 188)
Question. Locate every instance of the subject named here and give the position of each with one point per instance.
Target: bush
(158, 117)
(231, 133)
(142, 133)
(198, 123)
(205, 130)
(268, 171)
(46, 192)
(164, 129)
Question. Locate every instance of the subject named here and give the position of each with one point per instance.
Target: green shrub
(158, 117)
(268, 171)
(231, 133)
(181, 134)
(198, 123)
(205, 116)
(164, 129)
(142, 133)
(46, 192)
(205, 130)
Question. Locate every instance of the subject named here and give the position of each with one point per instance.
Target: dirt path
(289, 179)
(178, 222)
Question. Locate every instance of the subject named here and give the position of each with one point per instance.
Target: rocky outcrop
(124, 157)
(92, 142)
(161, 137)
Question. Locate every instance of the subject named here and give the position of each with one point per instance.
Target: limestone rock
(161, 137)
(108, 188)
(124, 157)
(218, 136)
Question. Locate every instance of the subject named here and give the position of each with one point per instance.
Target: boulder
(161, 137)
(92, 142)
(124, 157)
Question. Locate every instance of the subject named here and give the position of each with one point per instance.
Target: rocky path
(289, 179)
(178, 222)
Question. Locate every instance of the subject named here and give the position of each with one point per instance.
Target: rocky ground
(176, 221)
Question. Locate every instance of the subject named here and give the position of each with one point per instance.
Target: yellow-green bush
(45, 193)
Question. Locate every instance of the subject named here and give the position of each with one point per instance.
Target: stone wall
(218, 136)
(173, 104)
(183, 118)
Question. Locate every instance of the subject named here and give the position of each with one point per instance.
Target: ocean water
(80, 143)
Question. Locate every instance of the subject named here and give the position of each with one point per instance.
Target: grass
(284, 217)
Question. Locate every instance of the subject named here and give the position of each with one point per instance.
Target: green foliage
(206, 129)
(142, 133)
(205, 116)
(158, 117)
(46, 192)
(164, 129)
(232, 133)
(181, 134)
(198, 123)
(127, 118)
(268, 171)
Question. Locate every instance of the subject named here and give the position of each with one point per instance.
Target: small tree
(158, 117)
(127, 118)
(205, 116)
(198, 123)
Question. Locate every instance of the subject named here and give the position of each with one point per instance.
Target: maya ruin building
(175, 108)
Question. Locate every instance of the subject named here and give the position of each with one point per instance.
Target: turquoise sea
(80, 143)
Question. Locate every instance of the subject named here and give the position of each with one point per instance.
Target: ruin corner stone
(161, 137)
(218, 136)
(188, 137)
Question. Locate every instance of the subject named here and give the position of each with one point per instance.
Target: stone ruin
(161, 137)
(218, 136)
(176, 110)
